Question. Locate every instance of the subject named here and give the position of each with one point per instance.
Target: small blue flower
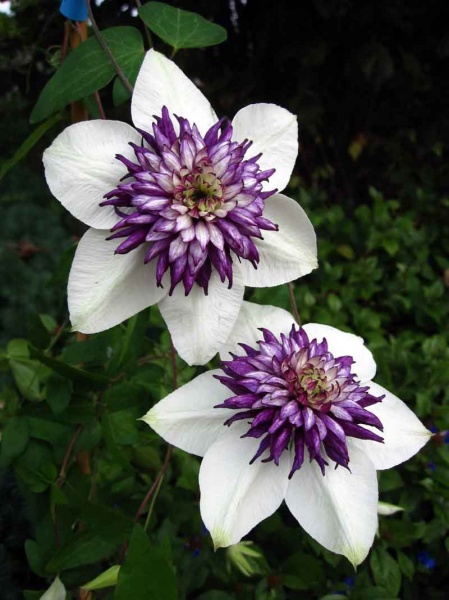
(426, 560)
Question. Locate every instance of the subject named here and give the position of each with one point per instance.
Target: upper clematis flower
(294, 415)
(183, 210)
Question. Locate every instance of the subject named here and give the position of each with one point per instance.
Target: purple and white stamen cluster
(193, 200)
(296, 394)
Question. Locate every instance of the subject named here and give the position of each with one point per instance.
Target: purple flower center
(296, 394)
(194, 201)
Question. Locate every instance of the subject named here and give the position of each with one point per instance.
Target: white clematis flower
(306, 424)
(177, 208)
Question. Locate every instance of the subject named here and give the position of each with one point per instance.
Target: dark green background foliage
(366, 80)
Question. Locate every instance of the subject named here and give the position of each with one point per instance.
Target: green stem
(294, 306)
(107, 50)
(153, 500)
(147, 31)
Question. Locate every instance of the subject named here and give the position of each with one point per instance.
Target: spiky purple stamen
(295, 393)
(195, 201)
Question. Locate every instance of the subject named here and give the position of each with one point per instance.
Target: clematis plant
(183, 209)
(292, 415)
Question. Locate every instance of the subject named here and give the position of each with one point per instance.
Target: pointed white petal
(199, 324)
(55, 592)
(236, 496)
(106, 288)
(80, 168)
(247, 327)
(404, 434)
(161, 83)
(274, 132)
(339, 509)
(286, 254)
(187, 418)
(341, 343)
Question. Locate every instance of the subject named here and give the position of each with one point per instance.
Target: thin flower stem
(107, 50)
(100, 105)
(174, 365)
(65, 462)
(295, 311)
(153, 501)
(156, 484)
(65, 43)
(61, 478)
(154, 489)
(147, 31)
(55, 338)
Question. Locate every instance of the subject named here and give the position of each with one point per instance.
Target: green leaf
(36, 468)
(145, 575)
(14, 439)
(386, 571)
(376, 593)
(28, 374)
(111, 444)
(106, 579)
(406, 565)
(217, 595)
(131, 342)
(181, 28)
(84, 548)
(28, 144)
(32, 595)
(34, 557)
(108, 523)
(73, 373)
(49, 431)
(88, 69)
(59, 392)
(123, 424)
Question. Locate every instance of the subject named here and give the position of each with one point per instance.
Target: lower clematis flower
(184, 210)
(292, 415)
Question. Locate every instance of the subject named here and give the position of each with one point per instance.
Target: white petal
(80, 168)
(55, 592)
(341, 343)
(187, 418)
(404, 434)
(286, 254)
(161, 83)
(106, 288)
(235, 495)
(199, 324)
(247, 327)
(339, 509)
(274, 132)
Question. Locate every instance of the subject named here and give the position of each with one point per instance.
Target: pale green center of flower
(308, 381)
(313, 382)
(202, 192)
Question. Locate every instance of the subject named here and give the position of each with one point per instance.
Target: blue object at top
(75, 10)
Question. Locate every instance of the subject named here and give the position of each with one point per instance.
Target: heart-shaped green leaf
(181, 28)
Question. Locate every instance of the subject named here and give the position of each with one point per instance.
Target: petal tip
(220, 539)
(356, 555)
